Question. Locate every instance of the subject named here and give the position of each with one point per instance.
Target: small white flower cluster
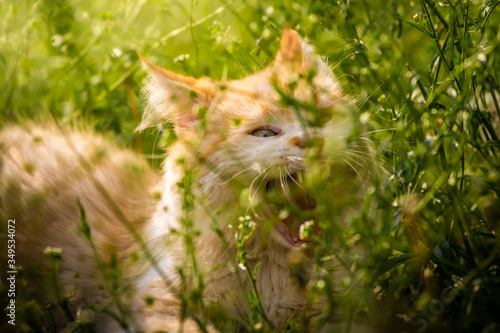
(306, 229)
(246, 222)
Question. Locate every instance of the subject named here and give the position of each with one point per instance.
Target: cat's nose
(297, 141)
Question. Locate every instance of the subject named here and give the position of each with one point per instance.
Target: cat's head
(273, 136)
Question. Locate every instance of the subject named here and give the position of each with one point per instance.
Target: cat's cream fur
(46, 172)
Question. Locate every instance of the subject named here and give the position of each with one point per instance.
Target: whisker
(260, 184)
(357, 173)
(236, 175)
(251, 196)
(286, 191)
(360, 165)
(297, 183)
(358, 152)
(296, 162)
(295, 158)
(379, 130)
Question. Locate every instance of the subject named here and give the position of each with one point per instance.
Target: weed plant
(424, 75)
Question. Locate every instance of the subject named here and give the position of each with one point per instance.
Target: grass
(425, 77)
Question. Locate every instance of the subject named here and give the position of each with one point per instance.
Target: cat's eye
(264, 132)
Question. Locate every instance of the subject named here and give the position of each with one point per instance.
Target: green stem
(191, 31)
(253, 282)
(488, 14)
(438, 14)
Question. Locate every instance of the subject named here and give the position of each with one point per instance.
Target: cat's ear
(175, 98)
(290, 51)
(296, 53)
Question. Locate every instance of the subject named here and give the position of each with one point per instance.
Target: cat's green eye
(264, 132)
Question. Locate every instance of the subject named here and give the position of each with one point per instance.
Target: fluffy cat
(271, 146)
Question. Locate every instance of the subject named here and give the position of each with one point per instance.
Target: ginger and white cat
(271, 146)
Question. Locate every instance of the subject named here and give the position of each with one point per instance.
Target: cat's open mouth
(295, 208)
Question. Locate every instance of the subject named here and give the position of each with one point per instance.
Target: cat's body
(45, 174)
(233, 138)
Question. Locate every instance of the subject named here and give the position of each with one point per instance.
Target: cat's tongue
(290, 229)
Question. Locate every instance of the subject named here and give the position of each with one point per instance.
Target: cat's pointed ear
(296, 54)
(290, 51)
(175, 98)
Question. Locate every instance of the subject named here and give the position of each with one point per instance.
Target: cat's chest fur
(278, 286)
(281, 276)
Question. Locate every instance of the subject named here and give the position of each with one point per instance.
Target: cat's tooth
(299, 177)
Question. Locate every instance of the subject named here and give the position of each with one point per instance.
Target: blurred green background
(425, 77)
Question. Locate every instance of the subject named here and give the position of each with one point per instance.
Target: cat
(238, 210)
